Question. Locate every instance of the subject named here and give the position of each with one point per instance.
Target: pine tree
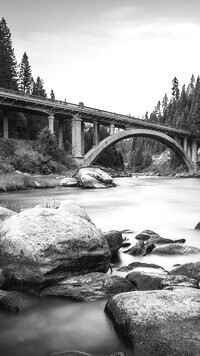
(8, 63)
(175, 89)
(38, 88)
(25, 75)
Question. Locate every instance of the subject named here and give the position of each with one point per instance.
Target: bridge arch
(92, 155)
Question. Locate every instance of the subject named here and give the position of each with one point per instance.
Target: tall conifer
(25, 75)
(8, 63)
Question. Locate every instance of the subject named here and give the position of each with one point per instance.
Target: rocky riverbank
(58, 251)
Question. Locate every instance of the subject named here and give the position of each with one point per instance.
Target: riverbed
(168, 206)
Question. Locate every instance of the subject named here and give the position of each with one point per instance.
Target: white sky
(117, 55)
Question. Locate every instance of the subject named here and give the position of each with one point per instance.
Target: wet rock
(53, 241)
(147, 279)
(190, 270)
(119, 354)
(115, 240)
(15, 301)
(5, 213)
(89, 287)
(161, 240)
(179, 281)
(143, 265)
(68, 182)
(93, 177)
(158, 322)
(173, 249)
(140, 248)
(126, 244)
(146, 235)
(22, 278)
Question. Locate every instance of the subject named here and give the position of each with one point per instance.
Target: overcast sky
(117, 55)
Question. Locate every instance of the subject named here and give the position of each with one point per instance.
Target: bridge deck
(19, 101)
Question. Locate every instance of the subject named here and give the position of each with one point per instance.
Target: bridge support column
(96, 133)
(82, 139)
(76, 136)
(5, 126)
(60, 134)
(51, 123)
(185, 144)
(189, 151)
(112, 129)
(194, 151)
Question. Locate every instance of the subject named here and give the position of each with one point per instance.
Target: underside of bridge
(92, 155)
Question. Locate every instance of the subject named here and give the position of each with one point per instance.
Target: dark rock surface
(146, 235)
(174, 281)
(140, 248)
(90, 287)
(173, 249)
(15, 301)
(115, 240)
(190, 270)
(147, 279)
(134, 265)
(158, 322)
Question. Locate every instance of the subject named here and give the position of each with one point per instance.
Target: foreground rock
(5, 213)
(93, 177)
(190, 270)
(173, 249)
(147, 279)
(115, 240)
(90, 287)
(158, 322)
(53, 241)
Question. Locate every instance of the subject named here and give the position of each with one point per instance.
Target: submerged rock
(90, 287)
(115, 240)
(93, 177)
(190, 270)
(141, 248)
(147, 279)
(137, 264)
(146, 235)
(53, 241)
(15, 301)
(158, 322)
(173, 249)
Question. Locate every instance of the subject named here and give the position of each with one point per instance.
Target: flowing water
(170, 207)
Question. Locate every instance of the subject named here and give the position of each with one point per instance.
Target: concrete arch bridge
(182, 142)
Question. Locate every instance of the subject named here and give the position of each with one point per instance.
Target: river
(170, 207)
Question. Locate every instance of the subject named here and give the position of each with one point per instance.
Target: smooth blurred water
(170, 207)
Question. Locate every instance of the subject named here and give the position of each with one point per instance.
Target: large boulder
(158, 322)
(147, 279)
(177, 281)
(190, 270)
(5, 213)
(175, 249)
(53, 241)
(89, 287)
(93, 177)
(115, 240)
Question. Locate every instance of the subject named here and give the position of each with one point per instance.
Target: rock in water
(115, 240)
(173, 249)
(147, 279)
(190, 270)
(53, 240)
(146, 235)
(89, 287)
(93, 177)
(158, 322)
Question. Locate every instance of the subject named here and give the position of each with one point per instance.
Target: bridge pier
(51, 123)
(185, 144)
(82, 139)
(5, 126)
(60, 134)
(194, 151)
(76, 136)
(189, 150)
(112, 129)
(95, 133)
